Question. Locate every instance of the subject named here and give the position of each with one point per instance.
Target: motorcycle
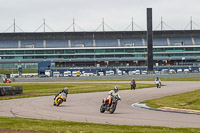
(6, 80)
(133, 86)
(158, 84)
(110, 108)
(59, 99)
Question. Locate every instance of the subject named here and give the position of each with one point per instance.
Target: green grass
(80, 127)
(188, 100)
(38, 89)
(137, 79)
(162, 79)
(15, 71)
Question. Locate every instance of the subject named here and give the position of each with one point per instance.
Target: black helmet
(66, 90)
(116, 89)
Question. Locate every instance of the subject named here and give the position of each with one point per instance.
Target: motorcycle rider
(133, 84)
(65, 90)
(114, 93)
(158, 81)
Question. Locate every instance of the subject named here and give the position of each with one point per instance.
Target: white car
(137, 72)
(186, 70)
(144, 72)
(179, 70)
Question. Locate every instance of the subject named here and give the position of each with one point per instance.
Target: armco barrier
(8, 90)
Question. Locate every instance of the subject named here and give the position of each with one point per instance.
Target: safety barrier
(8, 90)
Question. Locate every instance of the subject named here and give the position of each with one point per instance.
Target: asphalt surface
(85, 107)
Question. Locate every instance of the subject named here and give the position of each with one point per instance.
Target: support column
(119, 44)
(69, 43)
(193, 41)
(19, 43)
(94, 43)
(149, 40)
(44, 44)
(143, 41)
(168, 42)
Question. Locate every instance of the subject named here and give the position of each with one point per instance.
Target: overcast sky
(88, 14)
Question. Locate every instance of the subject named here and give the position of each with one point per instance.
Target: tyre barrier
(8, 90)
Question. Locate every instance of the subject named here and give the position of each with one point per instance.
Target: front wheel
(59, 101)
(112, 108)
(102, 108)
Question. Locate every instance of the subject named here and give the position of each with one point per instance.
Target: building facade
(98, 49)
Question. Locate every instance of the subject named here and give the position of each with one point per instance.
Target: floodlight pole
(132, 24)
(161, 24)
(103, 24)
(73, 25)
(149, 41)
(191, 23)
(44, 23)
(14, 25)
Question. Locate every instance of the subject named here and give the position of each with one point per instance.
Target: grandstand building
(98, 49)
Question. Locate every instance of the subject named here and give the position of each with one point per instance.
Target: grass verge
(188, 100)
(38, 89)
(137, 79)
(39, 125)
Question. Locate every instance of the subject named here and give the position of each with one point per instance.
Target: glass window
(19, 52)
(119, 50)
(29, 52)
(10, 52)
(59, 51)
(39, 52)
(140, 50)
(70, 51)
(100, 51)
(129, 50)
(49, 51)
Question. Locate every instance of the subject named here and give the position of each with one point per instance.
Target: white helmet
(116, 89)
(66, 90)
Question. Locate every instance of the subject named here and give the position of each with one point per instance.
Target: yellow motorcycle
(59, 99)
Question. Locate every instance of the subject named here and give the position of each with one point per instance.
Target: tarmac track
(85, 107)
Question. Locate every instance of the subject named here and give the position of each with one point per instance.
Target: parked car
(172, 71)
(144, 72)
(179, 70)
(195, 71)
(137, 72)
(186, 70)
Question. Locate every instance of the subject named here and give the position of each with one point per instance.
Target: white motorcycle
(158, 83)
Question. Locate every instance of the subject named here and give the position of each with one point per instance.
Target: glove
(54, 98)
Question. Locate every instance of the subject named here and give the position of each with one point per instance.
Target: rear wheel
(102, 108)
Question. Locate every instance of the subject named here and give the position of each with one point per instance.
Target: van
(67, 74)
(186, 70)
(119, 72)
(172, 71)
(179, 70)
(137, 72)
(144, 72)
(124, 73)
(107, 73)
(56, 74)
(100, 74)
(88, 73)
(111, 72)
(78, 73)
(74, 74)
(48, 73)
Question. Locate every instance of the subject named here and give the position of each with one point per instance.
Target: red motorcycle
(110, 108)
(6, 80)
